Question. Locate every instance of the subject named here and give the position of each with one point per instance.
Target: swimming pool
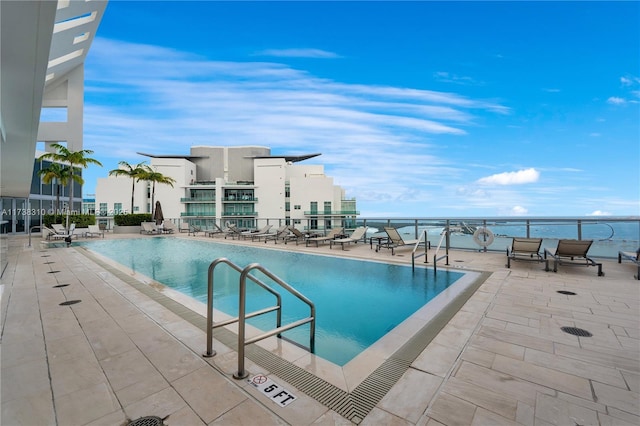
(357, 302)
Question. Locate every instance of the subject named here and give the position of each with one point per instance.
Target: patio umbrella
(157, 214)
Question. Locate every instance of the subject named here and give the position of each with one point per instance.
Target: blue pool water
(357, 302)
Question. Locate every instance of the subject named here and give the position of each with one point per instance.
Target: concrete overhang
(26, 34)
(40, 43)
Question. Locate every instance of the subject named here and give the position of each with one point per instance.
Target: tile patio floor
(502, 359)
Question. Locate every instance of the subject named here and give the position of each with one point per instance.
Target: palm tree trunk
(57, 211)
(70, 198)
(153, 196)
(133, 188)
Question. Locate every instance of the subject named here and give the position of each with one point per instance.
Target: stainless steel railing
(210, 286)
(242, 342)
(243, 315)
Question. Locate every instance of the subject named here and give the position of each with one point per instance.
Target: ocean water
(608, 237)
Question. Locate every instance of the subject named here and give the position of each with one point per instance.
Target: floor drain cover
(60, 285)
(568, 293)
(70, 302)
(53, 272)
(48, 263)
(146, 421)
(576, 331)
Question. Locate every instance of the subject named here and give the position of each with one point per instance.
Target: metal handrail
(210, 326)
(31, 229)
(241, 373)
(444, 236)
(423, 235)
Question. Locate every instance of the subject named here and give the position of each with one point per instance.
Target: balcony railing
(240, 199)
(197, 199)
(198, 214)
(240, 214)
(609, 235)
(332, 213)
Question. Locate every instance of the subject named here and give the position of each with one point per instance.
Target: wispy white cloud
(629, 80)
(387, 145)
(599, 213)
(511, 178)
(376, 141)
(615, 100)
(298, 53)
(446, 77)
(519, 211)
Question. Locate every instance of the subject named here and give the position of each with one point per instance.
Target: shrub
(81, 220)
(134, 219)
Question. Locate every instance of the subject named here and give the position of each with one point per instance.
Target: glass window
(35, 178)
(103, 209)
(117, 208)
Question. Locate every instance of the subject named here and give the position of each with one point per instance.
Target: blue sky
(420, 109)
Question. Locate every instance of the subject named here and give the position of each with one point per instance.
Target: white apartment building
(243, 185)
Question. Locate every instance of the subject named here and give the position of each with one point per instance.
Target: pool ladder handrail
(242, 315)
(422, 240)
(444, 236)
(210, 285)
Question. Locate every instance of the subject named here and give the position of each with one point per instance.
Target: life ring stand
(483, 237)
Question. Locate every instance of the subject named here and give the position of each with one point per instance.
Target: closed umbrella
(157, 214)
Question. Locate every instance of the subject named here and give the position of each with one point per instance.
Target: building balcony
(332, 213)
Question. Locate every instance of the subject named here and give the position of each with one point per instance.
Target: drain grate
(70, 302)
(48, 263)
(146, 421)
(576, 331)
(60, 285)
(568, 293)
(53, 272)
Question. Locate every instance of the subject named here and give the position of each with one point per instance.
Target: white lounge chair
(254, 233)
(296, 235)
(148, 228)
(395, 240)
(169, 227)
(51, 234)
(58, 228)
(357, 235)
(280, 234)
(633, 257)
(333, 234)
(94, 231)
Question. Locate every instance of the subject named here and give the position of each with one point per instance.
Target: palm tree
(154, 176)
(58, 173)
(73, 159)
(134, 172)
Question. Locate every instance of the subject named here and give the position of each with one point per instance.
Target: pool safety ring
(483, 237)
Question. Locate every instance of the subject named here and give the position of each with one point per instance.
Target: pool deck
(121, 353)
